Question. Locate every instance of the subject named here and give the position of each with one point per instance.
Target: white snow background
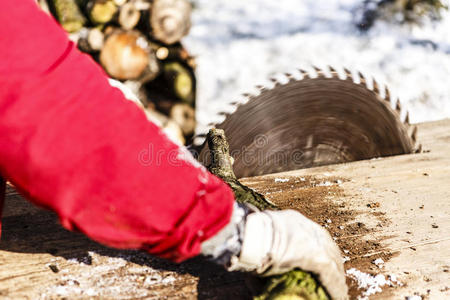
(242, 43)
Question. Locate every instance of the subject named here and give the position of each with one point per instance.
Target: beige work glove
(276, 242)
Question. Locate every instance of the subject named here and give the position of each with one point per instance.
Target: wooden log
(125, 55)
(180, 80)
(294, 285)
(128, 16)
(152, 70)
(91, 40)
(68, 14)
(184, 116)
(170, 20)
(101, 11)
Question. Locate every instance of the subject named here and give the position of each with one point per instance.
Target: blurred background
(187, 60)
(242, 43)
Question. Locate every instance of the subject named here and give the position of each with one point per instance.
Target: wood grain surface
(403, 202)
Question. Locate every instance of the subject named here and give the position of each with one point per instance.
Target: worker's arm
(72, 143)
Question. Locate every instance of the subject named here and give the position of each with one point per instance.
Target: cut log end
(125, 55)
(129, 16)
(101, 11)
(170, 20)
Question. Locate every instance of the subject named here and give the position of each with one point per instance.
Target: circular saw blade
(313, 122)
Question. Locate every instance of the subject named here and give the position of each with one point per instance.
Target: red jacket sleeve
(75, 145)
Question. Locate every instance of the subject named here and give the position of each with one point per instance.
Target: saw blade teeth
(369, 80)
(348, 75)
(414, 134)
(406, 118)
(398, 106)
(387, 94)
(304, 73)
(338, 74)
(332, 70)
(290, 77)
(248, 96)
(223, 113)
(275, 81)
(320, 72)
(362, 78)
(376, 87)
(261, 87)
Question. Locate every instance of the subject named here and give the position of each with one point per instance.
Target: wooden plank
(394, 228)
(410, 213)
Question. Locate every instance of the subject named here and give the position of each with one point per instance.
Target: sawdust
(318, 199)
(97, 272)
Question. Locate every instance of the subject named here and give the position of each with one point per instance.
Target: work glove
(266, 241)
(274, 242)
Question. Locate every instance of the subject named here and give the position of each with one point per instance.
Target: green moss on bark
(293, 285)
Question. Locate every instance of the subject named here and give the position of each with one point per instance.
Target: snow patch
(239, 44)
(325, 183)
(415, 297)
(369, 283)
(281, 179)
(379, 262)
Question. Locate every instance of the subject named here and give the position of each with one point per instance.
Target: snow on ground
(104, 277)
(371, 284)
(243, 43)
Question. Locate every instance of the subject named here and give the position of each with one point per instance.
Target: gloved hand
(275, 242)
(270, 242)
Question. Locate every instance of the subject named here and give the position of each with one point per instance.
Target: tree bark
(68, 14)
(293, 285)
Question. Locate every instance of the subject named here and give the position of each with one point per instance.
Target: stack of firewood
(138, 43)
